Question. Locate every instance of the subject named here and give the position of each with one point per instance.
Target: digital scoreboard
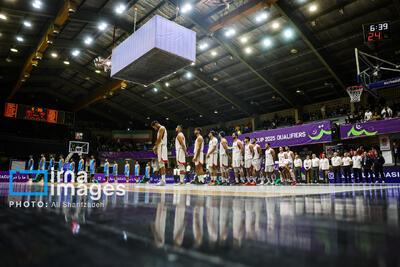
(32, 113)
(374, 32)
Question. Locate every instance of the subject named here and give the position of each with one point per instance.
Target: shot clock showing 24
(376, 31)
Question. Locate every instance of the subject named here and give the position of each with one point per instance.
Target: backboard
(78, 147)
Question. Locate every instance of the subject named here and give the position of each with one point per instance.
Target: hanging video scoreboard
(374, 32)
(26, 112)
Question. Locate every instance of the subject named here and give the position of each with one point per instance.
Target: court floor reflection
(357, 228)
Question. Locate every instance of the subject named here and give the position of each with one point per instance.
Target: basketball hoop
(103, 63)
(355, 93)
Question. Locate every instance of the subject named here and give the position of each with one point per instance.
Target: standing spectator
(379, 160)
(336, 163)
(396, 152)
(356, 159)
(307, 168)
(346, 161)
(324, 166)
(367, 115)
(297, 167)
(366, 164)
(315, 168)
(360, 150)
(376, 116)
(386, 112)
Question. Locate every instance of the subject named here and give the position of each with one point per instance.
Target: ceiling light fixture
(75, 52)
(66, 62)
(203, 46)
(214, 53)
(155, 89)
(275, 25)
(37, 4)
(3, 16)
(312, 8)
(102, 26)
(97, 71)
(188, 75)
(243, 40)
(88, 40)
(288, 33)
(119, 9)
(166, 84)
(27, 24)
(186, 8)
(261, 17)
(267, 42)
(20, 38)
(54, 55)
(14, 50)
(248, 50)
(230, 32)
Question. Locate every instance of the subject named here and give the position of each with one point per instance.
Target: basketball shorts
(162, 154)
(256, 164)
(248, 163)
(223, 162)
(180, 157)
(212, 161)
(236, 162)
(269, 168)
(200, 159)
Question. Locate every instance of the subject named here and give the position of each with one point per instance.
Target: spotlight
(261, 17)
(88, 40)
(54, 55)
(288, 33)
(97, 71)
(20, 39)
(275, 25)
(267, 42)
(230, 32)
(14, 50)
(243, 40)
(203, 46)
(27, 24)
(186, 8)
(155, 89)
(37, 4)
(102, 26)
(120, 8)
(3, 16)
(167, 119)
(75, 52)
(216, 111)
(312, 8)
(188, 75)
(166, 84)
(192, 64)
(213, 53)
(248, 50)
(66, 62)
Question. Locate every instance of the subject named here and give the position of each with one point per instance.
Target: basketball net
(355, 93)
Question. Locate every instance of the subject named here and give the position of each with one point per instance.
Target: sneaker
(262, 182)
(383, 182)
(161, 183)
(253, 183)
(181, 183)
(248, 183)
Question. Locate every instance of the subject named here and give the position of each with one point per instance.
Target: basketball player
(60, 166)
(181, 153)
(223, 158)
(31, 162)
(147, 173)
(92, 167)
(237, 149)
(198, 157)
(42, 162)
(248, 160)
(137, 171)
(127, 169)
(115, 171)
(106, 170)
(269, 162)
(51, 163)
(212, 158)
(81, 164)
(161, 149)
(256, 160)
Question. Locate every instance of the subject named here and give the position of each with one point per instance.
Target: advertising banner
(371, 128)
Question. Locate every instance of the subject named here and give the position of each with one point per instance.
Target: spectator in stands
(367, 115)
(376, 116)
(396, 152)
(386, 112)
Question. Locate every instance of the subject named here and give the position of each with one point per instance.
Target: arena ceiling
(271, 57)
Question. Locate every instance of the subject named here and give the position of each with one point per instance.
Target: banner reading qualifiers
(370, 128)
(306, 134)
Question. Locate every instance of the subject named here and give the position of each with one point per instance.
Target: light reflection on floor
(151, 226)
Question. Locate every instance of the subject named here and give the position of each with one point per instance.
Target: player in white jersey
(223, 158)
(212, 157)
(248, 160)
(256, 162)
(181, 153)
(161, 149)
(198, 157)
(269, 162)
(237, 150)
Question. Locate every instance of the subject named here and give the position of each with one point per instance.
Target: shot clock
(374, 32)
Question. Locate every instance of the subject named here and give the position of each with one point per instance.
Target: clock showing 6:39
(376, 31)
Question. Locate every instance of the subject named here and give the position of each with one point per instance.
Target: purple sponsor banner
(312, 133)
(306, 134)
(370, 128)
(100, 177)
(17, 178)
